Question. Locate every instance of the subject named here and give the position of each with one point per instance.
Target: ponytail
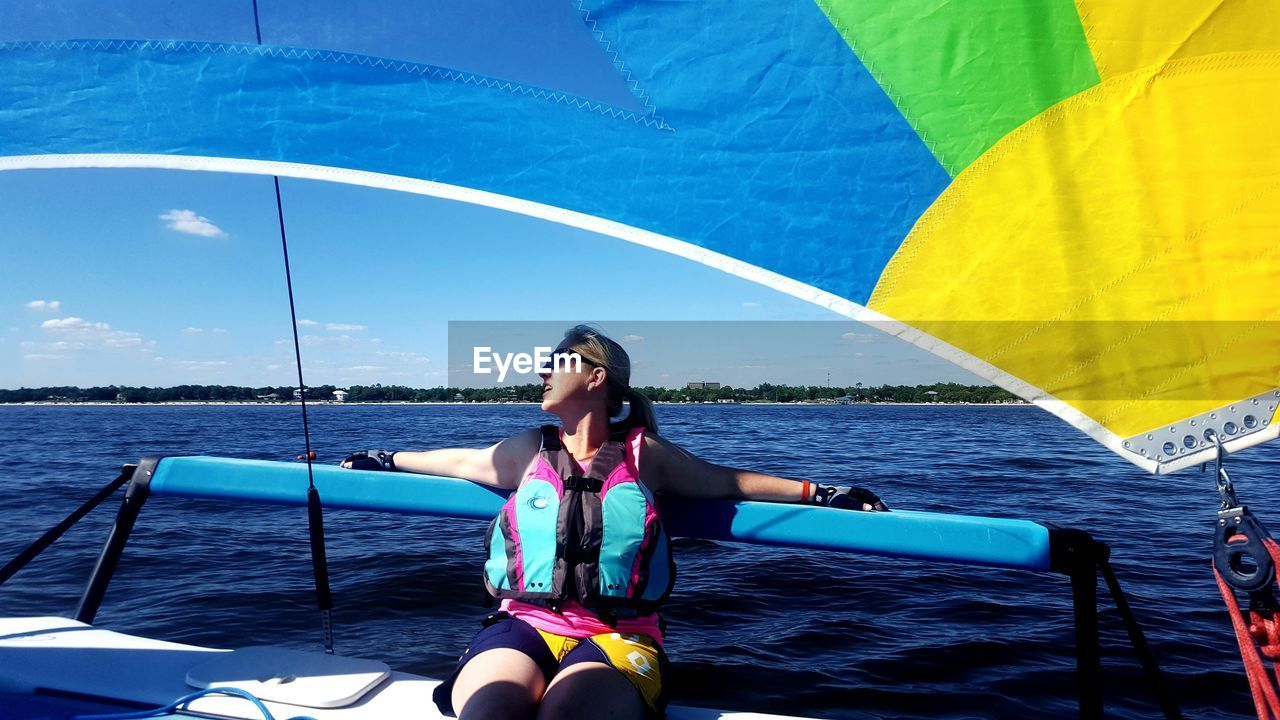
(640, 415)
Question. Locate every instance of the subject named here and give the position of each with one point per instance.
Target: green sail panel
(965, 73)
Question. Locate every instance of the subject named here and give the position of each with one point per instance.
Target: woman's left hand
(848, 498)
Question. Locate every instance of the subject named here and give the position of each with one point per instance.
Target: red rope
(1258, 637)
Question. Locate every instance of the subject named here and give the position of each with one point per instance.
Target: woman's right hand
(371, 460)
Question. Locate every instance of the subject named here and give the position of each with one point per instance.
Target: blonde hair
(599, 350)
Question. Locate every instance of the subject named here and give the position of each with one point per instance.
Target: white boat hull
(60, 657)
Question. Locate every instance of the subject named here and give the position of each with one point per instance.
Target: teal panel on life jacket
(659, 570)
(537, 510)
(622, 509)
(495, 566)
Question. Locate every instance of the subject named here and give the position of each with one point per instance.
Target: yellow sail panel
(1119, 250)
(1127, 36)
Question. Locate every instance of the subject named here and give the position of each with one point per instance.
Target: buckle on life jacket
(583, 484)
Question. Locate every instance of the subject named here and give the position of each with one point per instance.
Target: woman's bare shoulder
(656, 445)
(663, 463)
(530, 436)
(523, 444)
(512, 455)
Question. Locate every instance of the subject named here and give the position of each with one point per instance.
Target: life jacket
(596, 539)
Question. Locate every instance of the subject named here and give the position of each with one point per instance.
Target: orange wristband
(804, 493)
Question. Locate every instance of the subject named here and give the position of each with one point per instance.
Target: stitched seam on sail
(1160, 318)
(859, 52)
(1106, 419)
(1133, 270)
(975, 171)
(961, 186)
(593, 26)
(1089, 36)
(423, 69)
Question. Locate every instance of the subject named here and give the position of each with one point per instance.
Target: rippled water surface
(825, 635)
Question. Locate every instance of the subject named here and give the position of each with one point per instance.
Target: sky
(167, 277)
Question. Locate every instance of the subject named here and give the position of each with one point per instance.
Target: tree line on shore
(532, 392)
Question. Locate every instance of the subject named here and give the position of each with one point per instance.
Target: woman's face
(567, 382)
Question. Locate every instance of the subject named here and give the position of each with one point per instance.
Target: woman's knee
(498, 684)
(591, 691)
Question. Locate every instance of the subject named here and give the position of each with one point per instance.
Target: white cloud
(632, 338)
(325, 341)
(307, 323)
(76, 333)
(201, 364)
(73, 324)
(46, 305)
(750, 304)
(42, 356)
(187, 221)
(402, 356)
(363, 368)
(192, 330)
(122, 339)
(344, 327)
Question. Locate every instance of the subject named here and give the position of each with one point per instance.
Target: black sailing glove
(848, 498)
(371, 460)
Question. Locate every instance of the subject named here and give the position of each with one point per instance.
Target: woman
(578, 554)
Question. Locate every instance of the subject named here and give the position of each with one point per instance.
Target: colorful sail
(1076, 201)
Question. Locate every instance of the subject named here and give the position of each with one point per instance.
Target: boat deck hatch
(309, 679)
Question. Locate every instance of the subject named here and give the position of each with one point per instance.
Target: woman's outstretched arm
(669, 468)
(501, 464)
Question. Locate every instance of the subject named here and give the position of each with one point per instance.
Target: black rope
(1139, 642)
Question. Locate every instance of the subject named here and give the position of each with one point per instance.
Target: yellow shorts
(638, 657)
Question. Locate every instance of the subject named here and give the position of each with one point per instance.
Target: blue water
(835, 636)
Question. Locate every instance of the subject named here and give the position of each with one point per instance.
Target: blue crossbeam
(993, 542)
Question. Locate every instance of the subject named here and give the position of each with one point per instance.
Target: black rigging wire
(257, 27)
(297, 350)
(315, 511)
